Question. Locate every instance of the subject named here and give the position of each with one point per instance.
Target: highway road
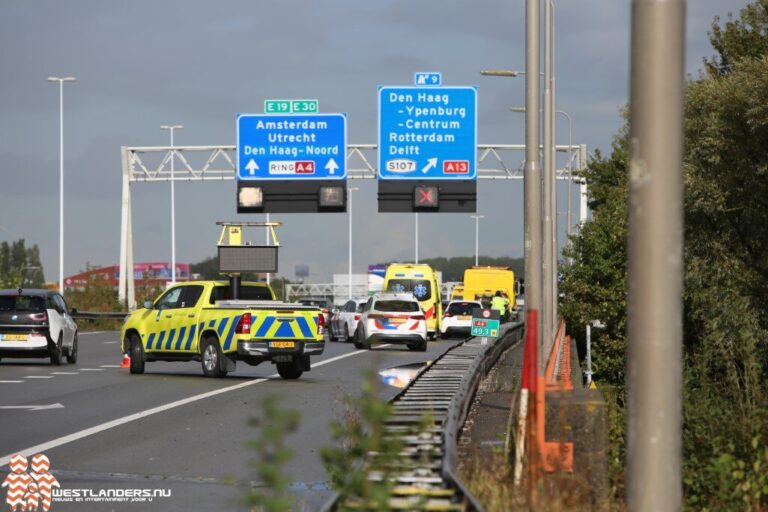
(172, 430)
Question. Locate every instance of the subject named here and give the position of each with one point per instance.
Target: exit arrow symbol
(431, 164)
(252, 167)
(33, 407)
(331, 166)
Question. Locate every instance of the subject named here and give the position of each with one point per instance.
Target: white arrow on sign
(33, 407)
(252, 166)
(331, 166)
(431, 164)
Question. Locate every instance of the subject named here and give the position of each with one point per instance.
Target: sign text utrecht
(428, 133)
(285, 147)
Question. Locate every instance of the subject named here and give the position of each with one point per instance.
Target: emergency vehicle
(222, 322)
(422, 281)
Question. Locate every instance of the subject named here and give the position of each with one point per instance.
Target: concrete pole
(553, 177)
(349, 273)
(655, 256)
(477, 237)
(532, 173)
(547, 299)
(171, 128)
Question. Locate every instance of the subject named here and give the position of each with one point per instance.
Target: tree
(20, 266)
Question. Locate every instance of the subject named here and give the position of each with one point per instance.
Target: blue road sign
(432, 79)
(428, 133)
(291, 147)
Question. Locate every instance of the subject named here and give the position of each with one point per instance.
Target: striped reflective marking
(160, 340)
(169, 341)
(265, 327)
(210, 324)
(222, 326)
(182, 332)
(304, 327)
(150, 340)
(191, 336)
(285, 330)
(231, 333)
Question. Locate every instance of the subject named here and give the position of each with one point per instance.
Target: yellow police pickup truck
(195, 321)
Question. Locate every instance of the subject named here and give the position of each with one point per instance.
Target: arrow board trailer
(427, 149)
(291, 163)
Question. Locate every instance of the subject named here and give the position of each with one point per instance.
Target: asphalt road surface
(171, 431)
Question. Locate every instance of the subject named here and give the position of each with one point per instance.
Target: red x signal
(425, 197)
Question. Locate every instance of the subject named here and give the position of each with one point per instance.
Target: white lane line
(91, 369)
(11, 381)
(149, 412)
(111, 342)
(39, 377)
(110, 366)
(90, 332)
(64, 373)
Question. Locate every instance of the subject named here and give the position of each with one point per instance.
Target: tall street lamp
(349, 270)
(477, 237)
(171, 128)
(61, 174)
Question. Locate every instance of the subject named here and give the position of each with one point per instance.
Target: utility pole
(171, 128)
(532, 173)
(657, 86)
(477, 237)
(547, 299)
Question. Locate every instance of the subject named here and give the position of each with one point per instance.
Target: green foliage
(272, 453)
(20, 265)
(358, 434)
(743, 38)
(96, 296)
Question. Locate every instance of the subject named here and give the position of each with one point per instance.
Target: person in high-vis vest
(500, 303)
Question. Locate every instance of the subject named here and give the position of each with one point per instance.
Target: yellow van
(481, 283)
(420, 280)
(457, 292)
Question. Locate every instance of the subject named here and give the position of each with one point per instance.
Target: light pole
(349, 270)
(171, 128)
(416, 237)
(570, 163)
(61, 174)
(477, 237)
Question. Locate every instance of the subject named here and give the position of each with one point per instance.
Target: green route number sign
(485, 322)
(290, 106)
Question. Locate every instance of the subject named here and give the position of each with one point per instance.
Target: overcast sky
(141, 64)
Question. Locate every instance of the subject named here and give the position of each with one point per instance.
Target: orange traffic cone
(126, 361)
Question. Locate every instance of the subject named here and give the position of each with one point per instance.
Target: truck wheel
(55, 352)
(289, 371)
(211, 358)
(138, 357)
(72, 354)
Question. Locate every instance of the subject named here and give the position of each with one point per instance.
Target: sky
(141, 64)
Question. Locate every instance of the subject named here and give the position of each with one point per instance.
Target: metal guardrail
(99, 315)
(444, 390)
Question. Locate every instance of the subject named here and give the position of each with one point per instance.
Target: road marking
(33, 407)
(39, 377)
(111, 342)
(110, 366)
(64, 373)
(43, 447)
(10, 381)
(91, 369)
(91, 332)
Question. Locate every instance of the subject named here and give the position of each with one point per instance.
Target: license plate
(397, 321)
(283, 344)
(13, 337)
(465, 317)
